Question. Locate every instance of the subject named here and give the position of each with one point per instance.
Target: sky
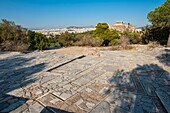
(64, 13)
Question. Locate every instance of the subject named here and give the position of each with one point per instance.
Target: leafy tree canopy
(161, 15)
(160, 18)
(102, 31)
(15, 38)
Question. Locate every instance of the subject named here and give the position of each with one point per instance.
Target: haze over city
(63, 13)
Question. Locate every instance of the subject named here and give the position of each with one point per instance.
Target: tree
(16, 38)
(134, 37)
(37, 41)
(103, 32)
(66, 39)
(160, 15)
(160, 18)
(168, 43)
(12, 36)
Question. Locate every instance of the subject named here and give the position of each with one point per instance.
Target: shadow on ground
(16, 72)
(144, 89)
(165, 57)
(49, 109)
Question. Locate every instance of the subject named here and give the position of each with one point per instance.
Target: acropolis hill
(121, 26)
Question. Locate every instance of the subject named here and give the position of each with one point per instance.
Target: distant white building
(63, 30)
(138, 30)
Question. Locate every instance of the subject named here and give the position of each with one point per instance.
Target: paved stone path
(114, 82)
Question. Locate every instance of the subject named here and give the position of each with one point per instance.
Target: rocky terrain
(94, 80)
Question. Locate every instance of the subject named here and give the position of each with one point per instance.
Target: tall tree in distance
(103, 32)
(160, 18)
(161, 15)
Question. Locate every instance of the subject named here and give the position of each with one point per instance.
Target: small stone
(36, 108)
(90, 105)
(79, 102)
(38, 92)
(30, 102)
(57, 93)
(55, 100)
(104, 90)
(89, 90)
(28, 94)
(67, 87)
(103, 107)
(65, 96)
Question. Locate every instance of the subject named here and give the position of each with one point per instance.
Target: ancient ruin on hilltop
(121, 26)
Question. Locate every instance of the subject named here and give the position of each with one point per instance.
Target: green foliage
(15, 38)
(88, 40)
(156, 33)
(102, 31)
(78, 36)
(66, 39)
(37, 41)
(53, 42)
(160, 30)
(12, 37)
(40, 41)
(161, 14)
(134, 37)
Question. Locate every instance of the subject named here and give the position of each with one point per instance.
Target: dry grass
(152, 45)
(123, 44)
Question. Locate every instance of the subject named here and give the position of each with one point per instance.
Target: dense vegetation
(160, 29)
(109, 37)
(15, 38)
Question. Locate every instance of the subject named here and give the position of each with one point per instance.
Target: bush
(134, 38)
(158, 33)
(153, 44)
(9, 45)
(66, 39)
(124, 43)
(103, 32)
(89, 41)
(53, 42)
(37, 41)
(15, 38)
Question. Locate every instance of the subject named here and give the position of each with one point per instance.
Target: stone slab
(164, 97)
(103, 107)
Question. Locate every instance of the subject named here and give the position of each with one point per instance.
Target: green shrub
(134, 38)
(103, 32)
(66, 39)
(53, 42)
(89, 41)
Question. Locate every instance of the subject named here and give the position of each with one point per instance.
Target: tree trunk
(168, 43)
